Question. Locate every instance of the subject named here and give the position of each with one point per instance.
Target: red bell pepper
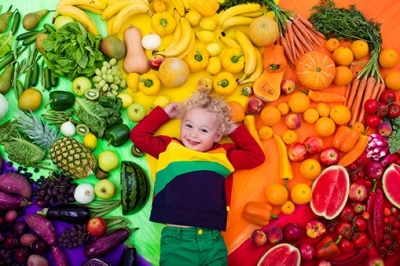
(327, 247)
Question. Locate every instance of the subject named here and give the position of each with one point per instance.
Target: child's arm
(143, 133)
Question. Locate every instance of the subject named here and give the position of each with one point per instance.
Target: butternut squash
(135, 60)
(268, 86)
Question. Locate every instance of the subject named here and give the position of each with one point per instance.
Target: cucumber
(135, 187)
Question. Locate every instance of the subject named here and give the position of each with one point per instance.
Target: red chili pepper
(355, 259)
(369, 208)
(378, 224)
(327, 248)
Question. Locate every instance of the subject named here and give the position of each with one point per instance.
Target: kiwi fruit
(92, 94)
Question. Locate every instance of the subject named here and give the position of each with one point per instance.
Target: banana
(230, 42)
(80, 16)
(236, 21)
(183, 43)
(110, 23)
(177, 35)
(254, 14)
(238, 10)
(248, 50)
(187, 4)
(116, 7)
(90, 9)
(257, 71)
(205, 36)
(93, 3)
(190, 46)
(127, 12)
(179, 6)
(160, 100)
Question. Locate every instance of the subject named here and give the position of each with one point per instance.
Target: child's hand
(172, 110)
(231, 128)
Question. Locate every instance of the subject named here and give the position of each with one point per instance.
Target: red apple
(313, 144)
(156, 61)
(204, 83)
(287, 86)
(96, 226)
(307, 251)
(374, 260)
(357, 192)
(254, 106)
(297, 152)
(293, 121)
(329, 156)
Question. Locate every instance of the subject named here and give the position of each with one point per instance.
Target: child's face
(199, 129)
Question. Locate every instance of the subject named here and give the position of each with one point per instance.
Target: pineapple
(68, 154)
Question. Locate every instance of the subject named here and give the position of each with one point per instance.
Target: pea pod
(60, 100)
(117, 134)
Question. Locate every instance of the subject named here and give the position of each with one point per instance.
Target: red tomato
(372, 121)
(382, 109)
(358, 207)
(360, 223)
(346, 246)
(347, 214)
(371, 106)
(360, 240)
(344, 229)
(387, 96)
(393, 110)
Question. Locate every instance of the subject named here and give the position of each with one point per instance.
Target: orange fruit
(340, 114)
(388, 58)
(392, 80)
(343, 56)
(343, 76)
(325, 126)
(159, 6)
(265, 132)
(289, 136)
(332, 44)
(237, 111)
(270, 115)
(277, 194)
(359, 48)
(298, 102)
(263, 31)
(288, 207)
(323, 109)
(283, 107)
(310, 168)
(301, 193)
(311, 115)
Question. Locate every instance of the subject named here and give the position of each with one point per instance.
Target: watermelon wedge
(281, 254)
(330, 191)
(391, 184)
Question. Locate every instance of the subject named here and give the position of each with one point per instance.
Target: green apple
(80, 85)
(105, 189)
(136, 112)
(107, 160)
(61, 21)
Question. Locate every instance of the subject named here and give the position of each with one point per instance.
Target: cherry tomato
(393, 110)
(360, 240)
(387, 97)
(358, 207)
(347, 214)
(366, 215)
(371, 106)
(382, 109)
(346, 246)
(372, 121)
(344, 229)
(360, 223)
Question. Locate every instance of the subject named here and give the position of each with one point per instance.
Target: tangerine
(310, 168)
(340, 114)
(159, 6)
(359, 48)
(311, 115)
(289, 136)
(299, 102)
(323, 109)
(270, 115)
(283, 107)
(265, 132)
(392, 80)
(237, 111)
(343, 76)
(325, 126)
(301, 193)
(288, 207)
(277, 194)
(343, 56)
(332, 44)
(388, 58)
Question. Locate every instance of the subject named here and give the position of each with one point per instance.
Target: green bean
(16, 21)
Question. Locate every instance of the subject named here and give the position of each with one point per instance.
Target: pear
(5, 79)
(32, 20)
(5, 20)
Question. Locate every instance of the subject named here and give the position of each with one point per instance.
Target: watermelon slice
(391, 184)
(281, 254)
(330, 191)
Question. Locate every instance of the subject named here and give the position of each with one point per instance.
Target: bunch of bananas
(240, 15)
(181, 6)
(76, 10)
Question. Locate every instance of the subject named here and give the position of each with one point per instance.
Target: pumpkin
(315, 70)
(3, 106)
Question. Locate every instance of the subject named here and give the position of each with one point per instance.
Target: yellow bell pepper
(206, 8)
(233, 60)
(163, 23)
(149, 84)
(197, 60)
(214, 65)
(225, 83)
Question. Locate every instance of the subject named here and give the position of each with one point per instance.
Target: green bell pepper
(60, 100)
(117, 134)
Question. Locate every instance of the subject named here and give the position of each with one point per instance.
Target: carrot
(355, 110)
(287, 50)
(307, 33)
(381, 89)
(355, 153)
(300, 35)
(326, 97)
(289, 33)
(300, 49)
(371, 81)
(352, 93)
(309, 25)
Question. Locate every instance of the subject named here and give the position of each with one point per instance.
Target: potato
(37, 260)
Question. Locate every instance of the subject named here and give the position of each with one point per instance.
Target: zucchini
(73, 213)
(135, 187)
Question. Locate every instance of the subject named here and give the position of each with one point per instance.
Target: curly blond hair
(202, 98)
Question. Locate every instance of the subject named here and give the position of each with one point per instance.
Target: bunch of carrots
(297, 35)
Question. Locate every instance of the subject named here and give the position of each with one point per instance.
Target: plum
(384, 129)
(274, 235)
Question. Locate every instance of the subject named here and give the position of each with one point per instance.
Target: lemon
(90, 141)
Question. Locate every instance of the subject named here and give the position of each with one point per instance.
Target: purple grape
(21, 254)
(39, 247)
(20, 228)
(11, 242)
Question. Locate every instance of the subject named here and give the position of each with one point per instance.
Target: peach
(384, 129)
(297, 152)
(258, 237)
(274, 235)
(254, 106)
(287, 86)
(204, 83)
(293, 121)
(156, 61)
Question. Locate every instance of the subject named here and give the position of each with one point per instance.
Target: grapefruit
(281, 254)
(391, 184)
(330, 191)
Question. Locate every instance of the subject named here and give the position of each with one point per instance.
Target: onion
(292, 232)
(151, 41)
(67, 129)
(84, 193)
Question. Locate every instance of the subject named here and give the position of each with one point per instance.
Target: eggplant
(72, 213)
(96, 262)
(8, 201)
(129, 256)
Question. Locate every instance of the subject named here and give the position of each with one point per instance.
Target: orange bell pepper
(274, 59)
(258, 213)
